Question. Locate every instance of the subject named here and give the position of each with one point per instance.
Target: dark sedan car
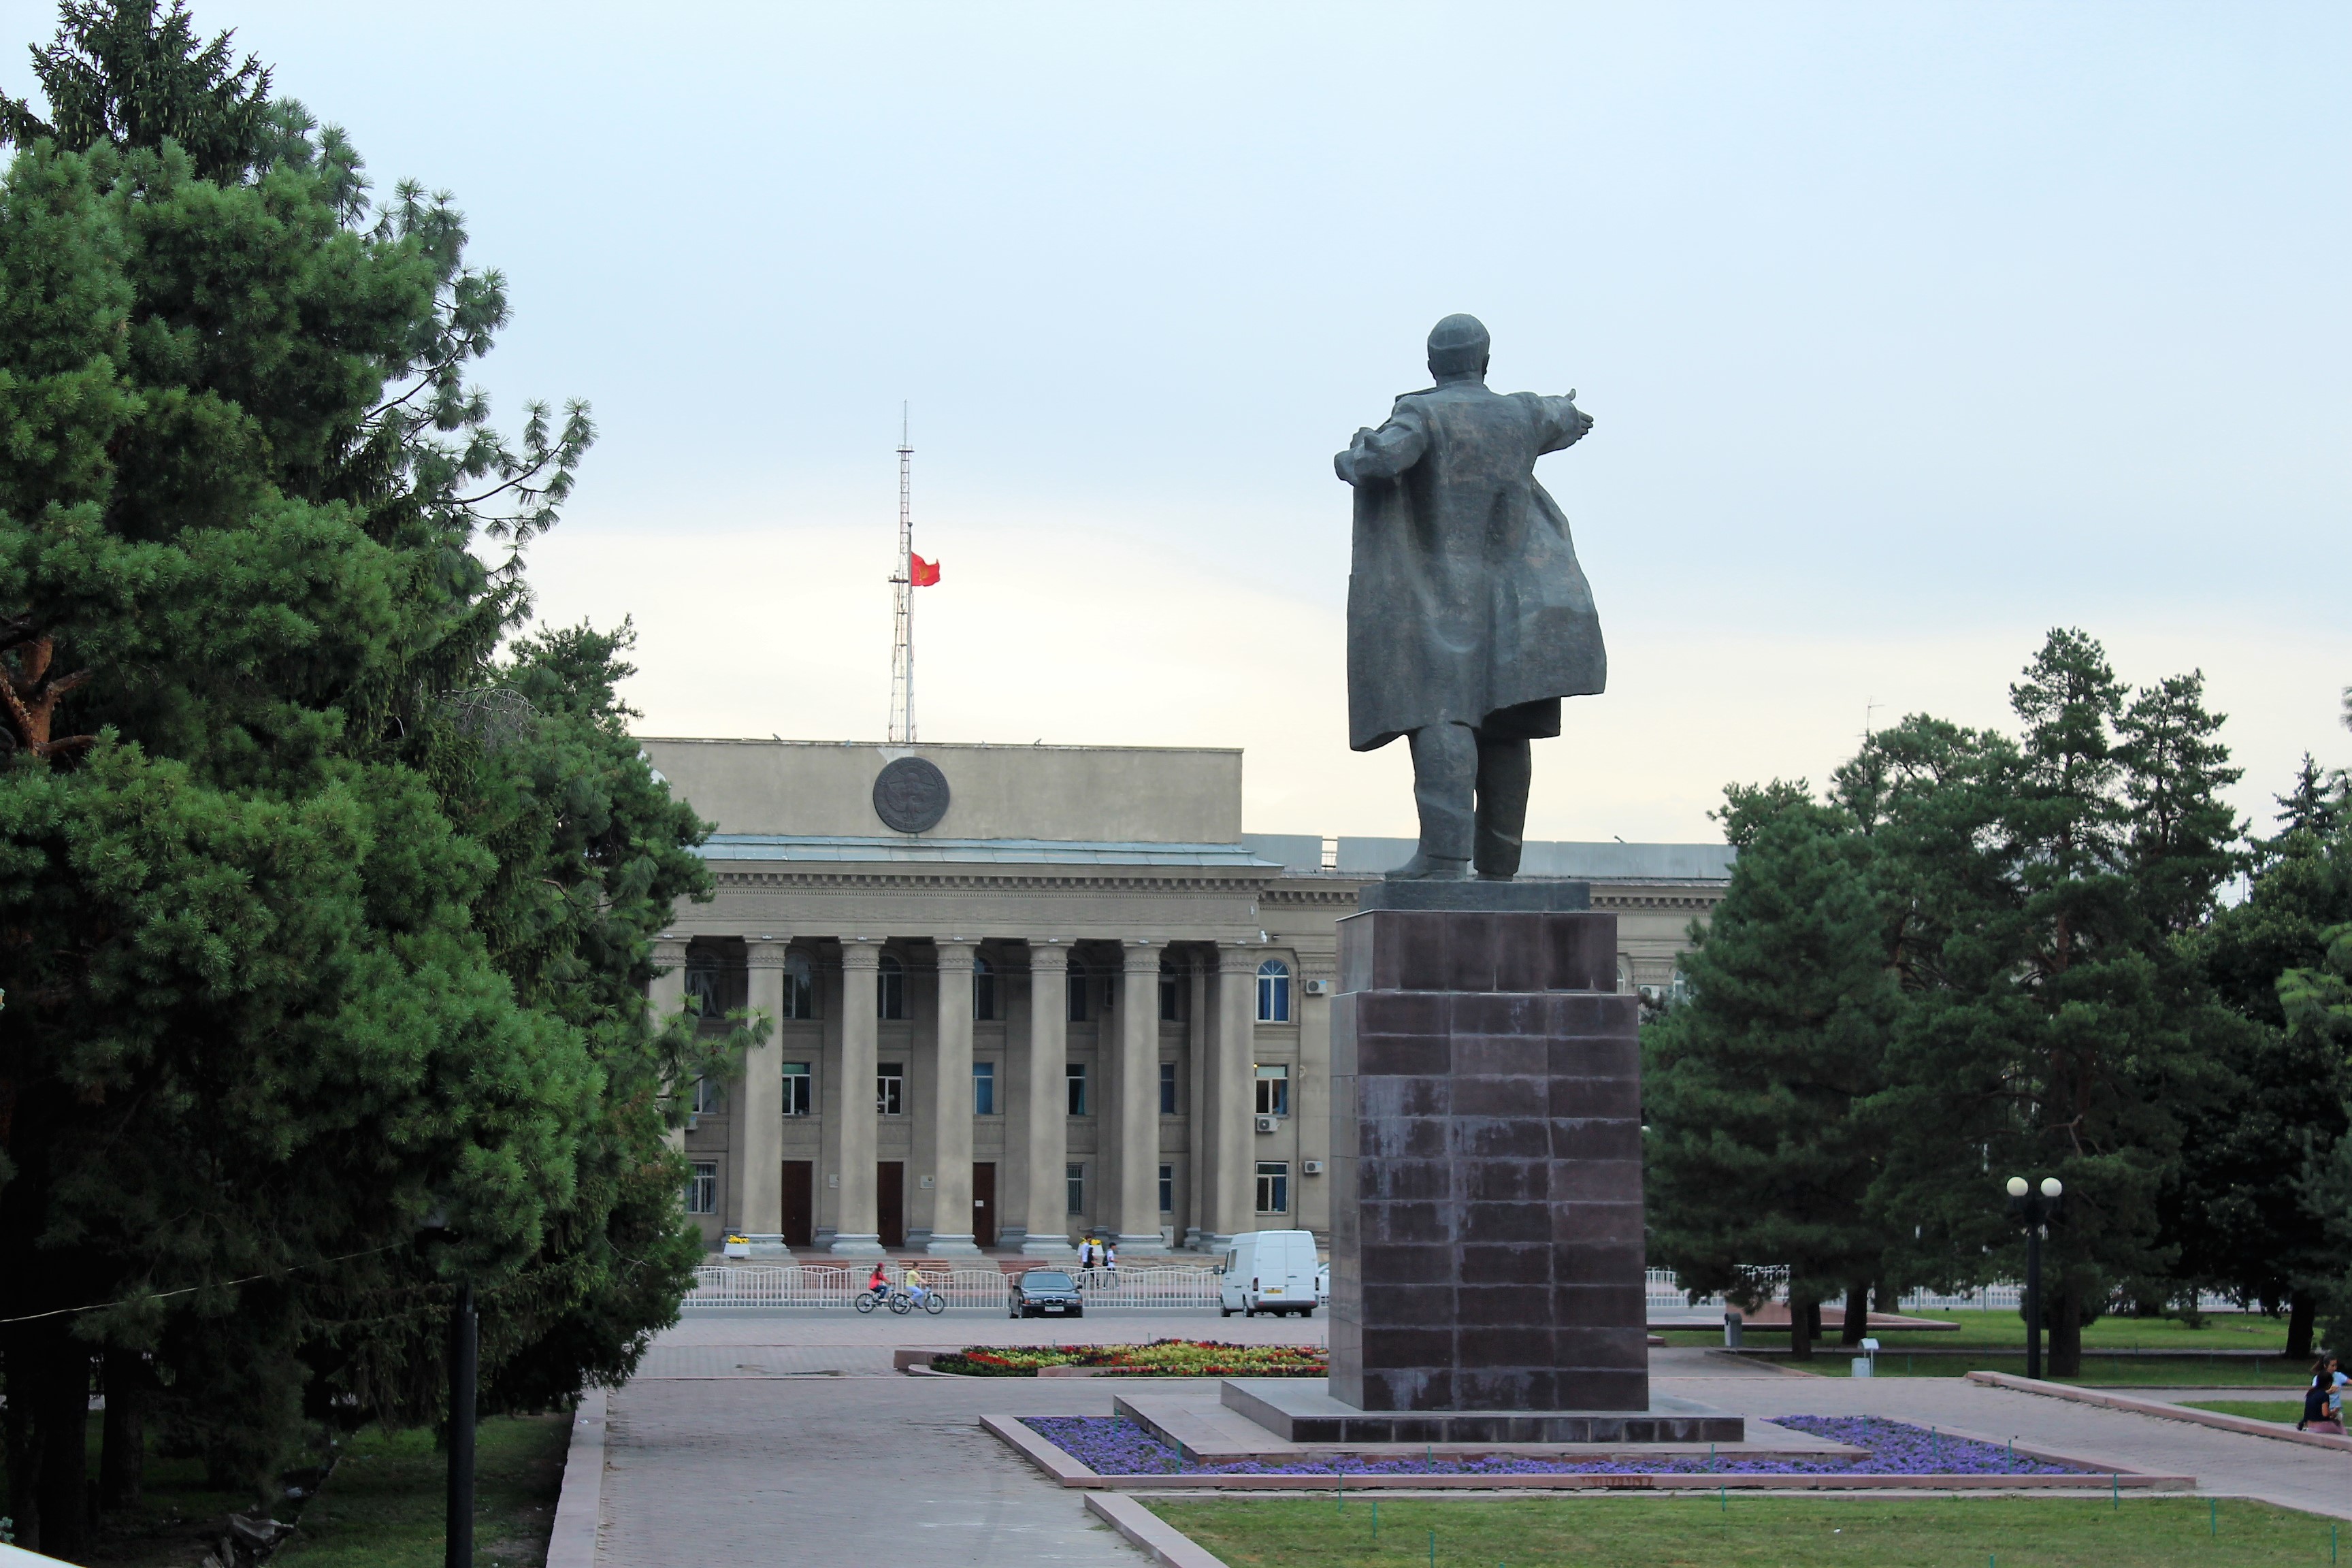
(1046, 1292)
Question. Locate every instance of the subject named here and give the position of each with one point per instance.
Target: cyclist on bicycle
(878, 1283)
(915, 1284)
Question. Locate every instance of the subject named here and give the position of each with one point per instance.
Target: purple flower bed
(1114, 1446)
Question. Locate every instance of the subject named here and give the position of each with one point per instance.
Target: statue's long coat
(1465, 604)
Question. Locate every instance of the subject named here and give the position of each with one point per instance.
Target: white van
(1268, 1271)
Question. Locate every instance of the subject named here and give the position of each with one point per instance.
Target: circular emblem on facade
(910, 795)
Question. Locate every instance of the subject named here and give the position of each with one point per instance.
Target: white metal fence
(1666, 1298)
(831, 1287)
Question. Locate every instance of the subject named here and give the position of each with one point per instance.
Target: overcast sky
(1911, 331)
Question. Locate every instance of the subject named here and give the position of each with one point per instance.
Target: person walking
(1110, 1256)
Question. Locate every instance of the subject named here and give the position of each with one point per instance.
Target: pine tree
(1754, 1152)
(2049, 1032)
(317, 913)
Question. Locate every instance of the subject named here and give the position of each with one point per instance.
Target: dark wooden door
(891, 1201)
(800, 1203)
(984, 1202)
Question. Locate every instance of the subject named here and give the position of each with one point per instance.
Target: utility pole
(902, 626)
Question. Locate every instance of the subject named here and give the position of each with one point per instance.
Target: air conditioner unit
(1318, 987)
(1269, 1123)
(1311, 1167)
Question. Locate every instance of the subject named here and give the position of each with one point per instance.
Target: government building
(1026, 993)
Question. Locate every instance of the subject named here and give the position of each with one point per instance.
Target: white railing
(1662, 1294)
(824, 1286)
(1665, 1296)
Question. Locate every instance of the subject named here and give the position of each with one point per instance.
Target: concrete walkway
(2226, 1463)
(785, 1437)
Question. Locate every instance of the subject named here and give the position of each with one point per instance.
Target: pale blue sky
(1910, 331)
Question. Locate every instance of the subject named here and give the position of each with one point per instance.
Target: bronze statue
(1468, 618)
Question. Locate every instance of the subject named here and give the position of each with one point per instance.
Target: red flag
(922, 573)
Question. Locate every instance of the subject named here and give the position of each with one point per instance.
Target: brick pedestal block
(1486, 1212)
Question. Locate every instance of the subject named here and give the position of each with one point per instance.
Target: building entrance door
(800, 1203)
(984, 1202)
(891, 1201)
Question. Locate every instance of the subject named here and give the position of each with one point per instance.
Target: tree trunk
(123, 1456)
(2300, 1306)
(24, 1451)
(2065, 1329)
(1857, 1313)
(1801, 1329)
(61, 1418)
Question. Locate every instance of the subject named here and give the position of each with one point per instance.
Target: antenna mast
(902, 626)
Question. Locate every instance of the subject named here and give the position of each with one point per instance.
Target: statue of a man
(1468, 618)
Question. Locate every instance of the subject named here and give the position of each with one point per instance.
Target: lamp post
(2035, 1210)
(464, 1362)
(465, 1346)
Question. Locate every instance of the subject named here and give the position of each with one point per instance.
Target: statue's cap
(1457, 345)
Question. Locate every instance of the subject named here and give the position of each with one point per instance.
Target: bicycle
(900, 1301)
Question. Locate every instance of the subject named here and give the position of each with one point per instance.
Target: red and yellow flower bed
(1161, 1358)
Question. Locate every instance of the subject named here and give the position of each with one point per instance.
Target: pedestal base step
(1301, 1410)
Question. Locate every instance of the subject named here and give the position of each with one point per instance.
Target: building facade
(1022, 994)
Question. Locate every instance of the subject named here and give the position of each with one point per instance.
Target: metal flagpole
(902, 629)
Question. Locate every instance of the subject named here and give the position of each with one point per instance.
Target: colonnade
(1127, 1114)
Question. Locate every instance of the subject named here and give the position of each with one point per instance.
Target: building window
(798, 1100)
(1075, 1177)
(710, 1097)
(1172, 992)
(800, 988)
(984, 990)
(1272, 1090)
(1166, 1189)
(1077, 1089)
(890, 1089)
(890, 988)
(1274, 992)
(1081, 993)
(984, 1089)
(702, 1188)
(702, 984)
(1273, 1186)
(1167, 1088)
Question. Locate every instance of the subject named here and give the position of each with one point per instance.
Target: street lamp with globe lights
(2034, 1210)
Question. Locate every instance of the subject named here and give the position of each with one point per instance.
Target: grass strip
(2288, 1411)
(383, 1508)
(1705, 1532)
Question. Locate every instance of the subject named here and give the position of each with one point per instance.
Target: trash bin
(1732, 1323)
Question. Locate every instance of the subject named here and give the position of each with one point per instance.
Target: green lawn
(383, 1506)
(2290, 1411)
(2006, 1331)
(1673, 1532)
(2175, 1371)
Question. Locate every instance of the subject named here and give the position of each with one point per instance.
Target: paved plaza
(786, 1437)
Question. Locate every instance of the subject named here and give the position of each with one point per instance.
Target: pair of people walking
(1095, 1253)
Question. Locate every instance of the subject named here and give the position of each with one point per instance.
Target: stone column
(951, 1234)
(758, 1118)
(855, 1228)
(664, 996)
(1198, 1136)
(1233, 1168)
(1138, 1111)
(1046, 1202)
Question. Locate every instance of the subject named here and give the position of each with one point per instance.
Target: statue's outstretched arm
(1385, 453)
(1564, 422)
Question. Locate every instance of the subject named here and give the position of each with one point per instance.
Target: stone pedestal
(1487, 1173)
